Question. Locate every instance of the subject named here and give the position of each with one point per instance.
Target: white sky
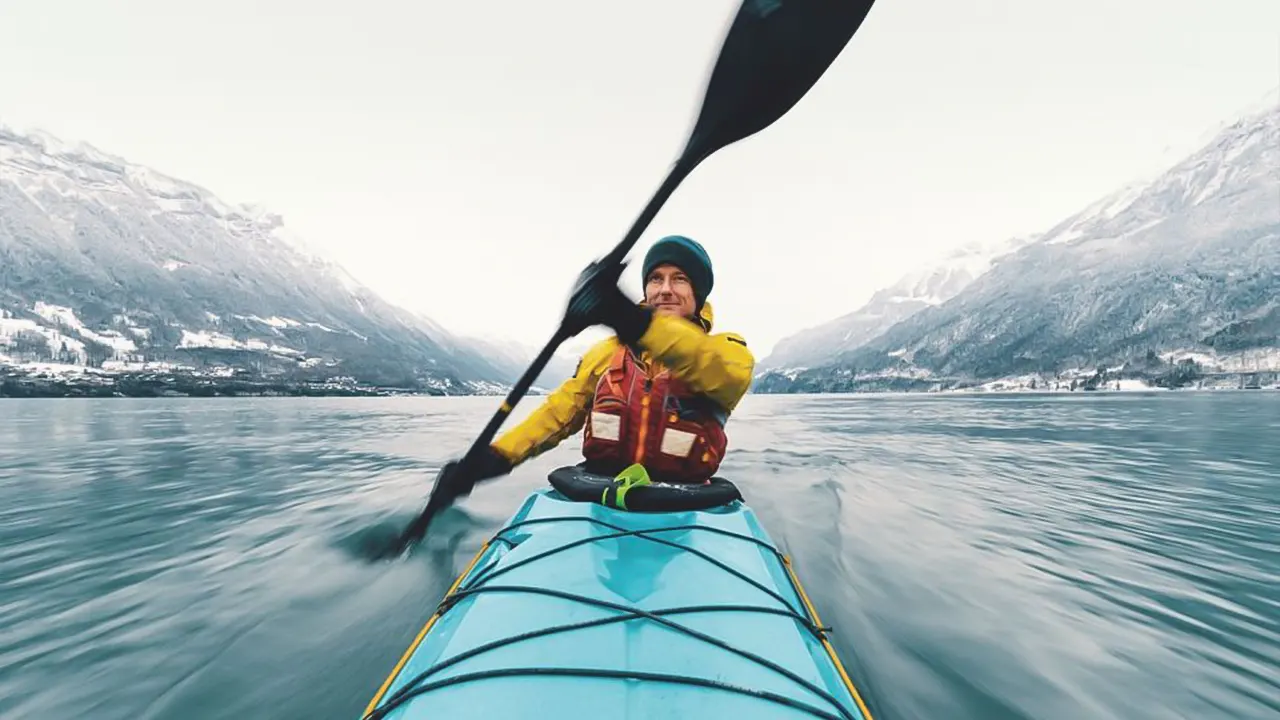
(468, 158)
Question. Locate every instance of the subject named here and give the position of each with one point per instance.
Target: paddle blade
(773, 54)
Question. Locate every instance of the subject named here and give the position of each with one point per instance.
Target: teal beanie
(687, 255)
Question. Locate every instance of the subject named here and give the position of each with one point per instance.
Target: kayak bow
(575, 609)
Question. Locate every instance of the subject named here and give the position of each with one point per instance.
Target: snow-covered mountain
(912, 293)
(1186, 264)
(513, 358)
(103, 261)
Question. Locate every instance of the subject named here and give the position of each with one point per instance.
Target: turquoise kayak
(579, 609)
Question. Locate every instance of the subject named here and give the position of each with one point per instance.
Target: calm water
(1099, 556)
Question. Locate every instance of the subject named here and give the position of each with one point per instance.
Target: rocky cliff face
(1185, 265)
(111, 265)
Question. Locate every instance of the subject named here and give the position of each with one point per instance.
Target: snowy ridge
(929, 286)
(1184, 265)
(38, 161)
(1234, 156)
(108, 261)
(1211, 163)
(1095, 215)
(515, 358)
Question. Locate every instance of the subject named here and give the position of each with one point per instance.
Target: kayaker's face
(669, 291)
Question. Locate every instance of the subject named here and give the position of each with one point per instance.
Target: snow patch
(899, 299)
(115, 340)
(1253, 138)
(54, 369)
(51, 145)
(1100, 211)
(1066, 237)
(205, 339)
(139, 365)
(790, 373)
(178, 205)
(1042, 384)
(1122, 201)
(56, 342)
(12, 326)
(273, 321)
(1214, 185)
(58, 314)
(280, 322)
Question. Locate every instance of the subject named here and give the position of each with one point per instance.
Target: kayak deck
(574, 609)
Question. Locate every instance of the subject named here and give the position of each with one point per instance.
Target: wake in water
(370, 541)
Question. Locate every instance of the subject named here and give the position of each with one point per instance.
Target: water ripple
(1100, 556)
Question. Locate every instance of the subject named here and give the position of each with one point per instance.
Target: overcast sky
(468, 158)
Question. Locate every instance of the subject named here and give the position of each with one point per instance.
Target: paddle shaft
(678, 173)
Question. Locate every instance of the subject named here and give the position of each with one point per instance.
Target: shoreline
(18, 383)
(56, 389)
(180, 386)
(71, 381)
(63, 381)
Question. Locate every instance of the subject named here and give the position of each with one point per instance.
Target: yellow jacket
(718, 366)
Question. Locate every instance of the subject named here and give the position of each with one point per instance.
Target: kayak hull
(670, 614)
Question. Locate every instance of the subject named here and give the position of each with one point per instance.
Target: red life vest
(657, 421)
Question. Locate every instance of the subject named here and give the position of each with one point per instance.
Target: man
(657, 393)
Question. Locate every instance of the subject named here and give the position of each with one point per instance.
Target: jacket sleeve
(561, 414)
(719, 366)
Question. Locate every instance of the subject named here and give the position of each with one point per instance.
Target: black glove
(457, 478)
(597, 300)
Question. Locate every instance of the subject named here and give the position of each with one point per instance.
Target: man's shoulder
(598, 355)
(731, 337)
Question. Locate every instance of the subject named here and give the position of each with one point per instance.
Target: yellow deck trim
(813, 612)
(377, 698)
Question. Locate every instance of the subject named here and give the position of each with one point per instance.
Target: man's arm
(562, 413)
(719, 366)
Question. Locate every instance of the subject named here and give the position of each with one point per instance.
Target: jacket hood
(705, 316)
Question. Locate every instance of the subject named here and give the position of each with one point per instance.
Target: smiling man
(657, 393)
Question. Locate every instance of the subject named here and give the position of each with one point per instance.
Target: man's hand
(457, 478)
(594, 297)
(597, 300)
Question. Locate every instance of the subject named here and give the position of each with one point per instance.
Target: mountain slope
(1187, 263)
(105, 261)
(889, 306)
(512, 359)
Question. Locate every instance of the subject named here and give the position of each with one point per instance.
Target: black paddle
(774, 52)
